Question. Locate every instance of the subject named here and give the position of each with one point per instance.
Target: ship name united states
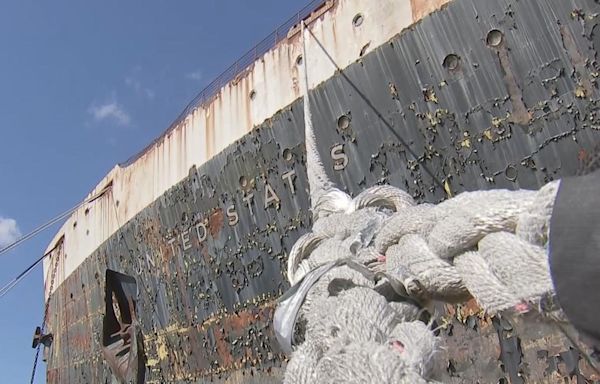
(198, 232)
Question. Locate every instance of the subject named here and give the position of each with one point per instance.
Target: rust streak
(210, 128)
(577, 60)
(223, 348)
(215, 222)
(520, 114)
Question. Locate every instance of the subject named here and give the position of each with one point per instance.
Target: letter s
(340, 160)
(233, 216)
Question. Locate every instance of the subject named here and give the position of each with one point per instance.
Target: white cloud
(110, 111)
(196, 75)
(135, 84)
(9, 231)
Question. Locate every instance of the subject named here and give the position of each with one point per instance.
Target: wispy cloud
(195, 75)
(110, 111)
(135, 84)
(9, 231)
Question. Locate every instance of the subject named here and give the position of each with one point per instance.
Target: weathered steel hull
(482, 94)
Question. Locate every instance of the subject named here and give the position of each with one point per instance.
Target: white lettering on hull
(182, 242)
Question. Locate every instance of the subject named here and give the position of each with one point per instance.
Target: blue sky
(84, 85)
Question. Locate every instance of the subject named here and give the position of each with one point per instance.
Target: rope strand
(489, 245)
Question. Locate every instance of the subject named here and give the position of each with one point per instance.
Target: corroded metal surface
(258, 91)
(482, 94)
(508, 349)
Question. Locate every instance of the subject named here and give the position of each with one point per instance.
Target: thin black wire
(38, 229)
(46, 310)
(50, 222)
(11, 284)
(379, 114)
(7, 287)
(4, 290)
(37, 354)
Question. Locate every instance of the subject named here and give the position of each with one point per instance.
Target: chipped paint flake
(580, 92)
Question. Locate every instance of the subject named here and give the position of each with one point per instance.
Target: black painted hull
(513, 115)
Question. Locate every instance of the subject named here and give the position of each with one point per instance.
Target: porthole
(358, 20)
(343, 122)
(451, 62)
(494, 38)
(511, 173)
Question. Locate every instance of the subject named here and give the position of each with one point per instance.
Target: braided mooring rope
(489, 245)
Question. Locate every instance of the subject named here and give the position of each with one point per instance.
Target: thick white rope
(490, 245)
(324, 196)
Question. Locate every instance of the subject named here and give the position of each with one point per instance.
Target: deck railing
(235, 69)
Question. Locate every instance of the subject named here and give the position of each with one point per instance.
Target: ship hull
(479, 95)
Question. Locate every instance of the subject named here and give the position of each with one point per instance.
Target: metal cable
(379, 114)
(46, 309)
(8, 286)
(51, 222)
(11, 284)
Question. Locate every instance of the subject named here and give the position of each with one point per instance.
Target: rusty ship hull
(476, 95)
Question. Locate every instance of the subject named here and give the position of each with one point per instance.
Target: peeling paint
(205, 307)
